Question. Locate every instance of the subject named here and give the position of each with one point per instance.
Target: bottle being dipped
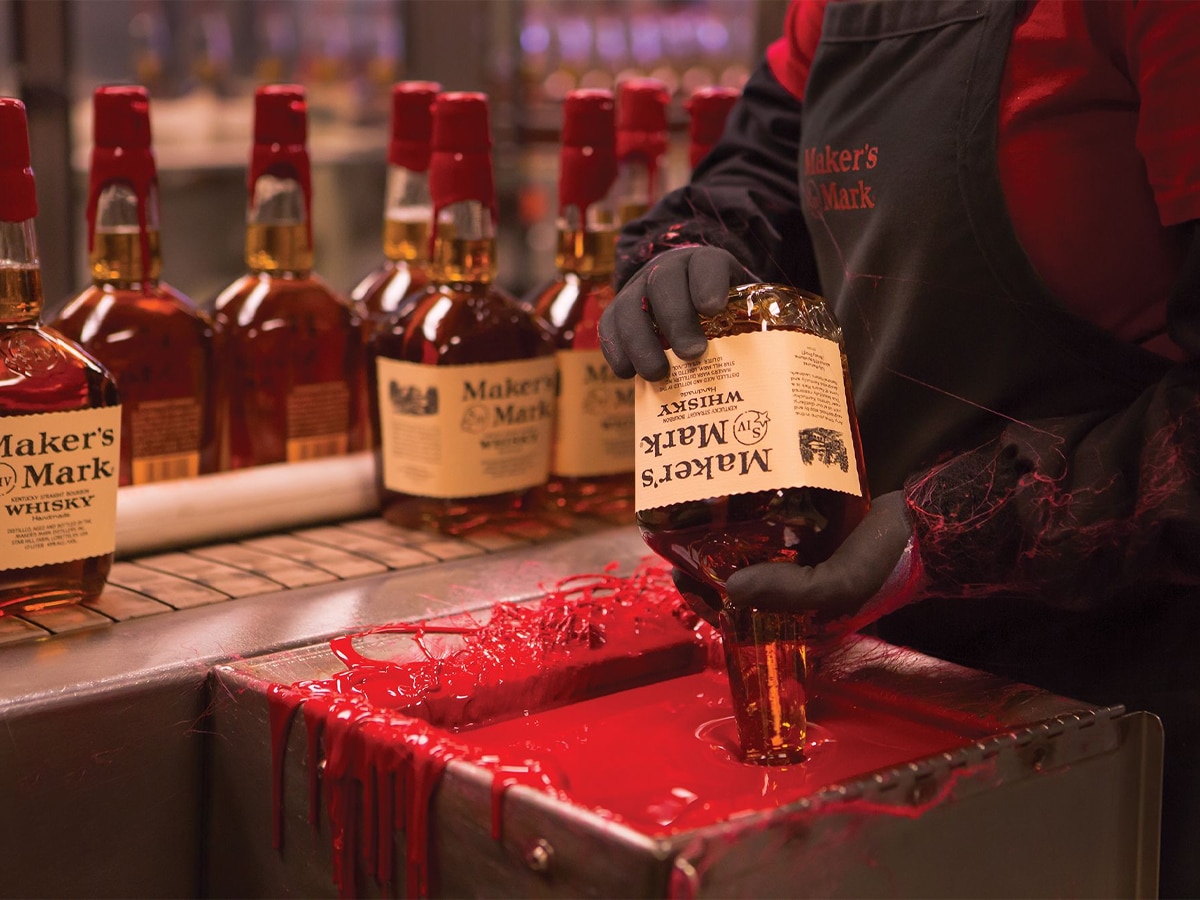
(408, 212)
(751, 453)
(291, 348)
(154, 340)
(60, 419)
(465, 378)
(642, 141)
(707, 109)
(591, 469)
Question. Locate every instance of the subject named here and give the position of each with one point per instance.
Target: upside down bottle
(407, 209)
(642, 140)
(152, 338)
(591, 469)
(751, 454)
(707, 109)
(465, 378)
(291, 348)
(60, 419)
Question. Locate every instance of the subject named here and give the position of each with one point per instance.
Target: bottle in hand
(60, 419)
(591, 469)
(751, 453)
(464, 378)
(291, 348)
(155, 341)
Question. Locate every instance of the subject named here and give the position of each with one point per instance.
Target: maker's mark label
(756, 412)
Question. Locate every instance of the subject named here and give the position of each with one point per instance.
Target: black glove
(873, 572)
(673, 287)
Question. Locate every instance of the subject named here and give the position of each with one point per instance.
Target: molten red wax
(565, 697)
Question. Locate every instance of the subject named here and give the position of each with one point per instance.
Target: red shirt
(1098, 147)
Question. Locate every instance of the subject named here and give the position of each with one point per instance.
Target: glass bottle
(707, 108)
(751, 454)
(642, 141)
(591, 469)
(408, 213)
(465, 378)
(154, 340)
(291, 348)
(60, 419)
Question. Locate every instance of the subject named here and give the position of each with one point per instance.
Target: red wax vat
(584, 745)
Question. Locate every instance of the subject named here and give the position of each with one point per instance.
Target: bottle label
(58, 486)
(318, 420)
(466, 431)
(166, 440)
(756, 412)
(594, 428)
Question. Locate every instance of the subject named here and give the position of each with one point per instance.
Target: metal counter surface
(104, 729)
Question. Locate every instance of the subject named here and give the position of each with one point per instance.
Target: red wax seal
(18, 199)
(280, 139)
(460, 167)
(708, 108)
(121, 151)
(588, 157)
(412, 124)
(642, 119)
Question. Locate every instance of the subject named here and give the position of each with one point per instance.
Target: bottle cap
(280, 140)
(642, 118)
(121, 150)
(588, 157)
(709, 108)
(460, 167)
(412, 124)
(18, 198)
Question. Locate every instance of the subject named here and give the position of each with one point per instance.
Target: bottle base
(59, 584)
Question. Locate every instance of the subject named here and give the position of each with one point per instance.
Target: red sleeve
(790, 57)
(1163, 53)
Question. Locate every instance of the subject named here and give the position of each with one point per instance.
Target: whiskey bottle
(154, 340)
(291, 348)
(60, 419)
(707, 108)
(591, 469)
(408, 213)
(751, 453)
(642, 141)
(465, 378)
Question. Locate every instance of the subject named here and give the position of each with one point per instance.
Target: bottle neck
(124, 250)
(464, 247)
(20, 274)
(278, 239)
(636, 188)
(407, 216)
(587, 244)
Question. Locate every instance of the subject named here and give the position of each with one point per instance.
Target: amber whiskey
(591, 469)
(642, 141)
(408, 213)
(752, 452)
(465, 378)
(291, 349)
(154, 340)
(60, 420)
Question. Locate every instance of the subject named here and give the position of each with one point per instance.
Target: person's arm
(744, 197)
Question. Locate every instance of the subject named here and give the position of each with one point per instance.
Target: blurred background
(201, 60)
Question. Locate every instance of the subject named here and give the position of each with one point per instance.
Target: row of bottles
(457, 385)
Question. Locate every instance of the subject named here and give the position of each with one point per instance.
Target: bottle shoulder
(256, 296)
(101, 310)
(42, 370)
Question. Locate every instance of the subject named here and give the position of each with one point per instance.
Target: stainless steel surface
(104, 728)
(1061, 800)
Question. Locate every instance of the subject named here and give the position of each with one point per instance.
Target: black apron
(951, 335)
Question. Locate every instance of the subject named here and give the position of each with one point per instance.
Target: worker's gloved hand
(674, 287)
(874, 571)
